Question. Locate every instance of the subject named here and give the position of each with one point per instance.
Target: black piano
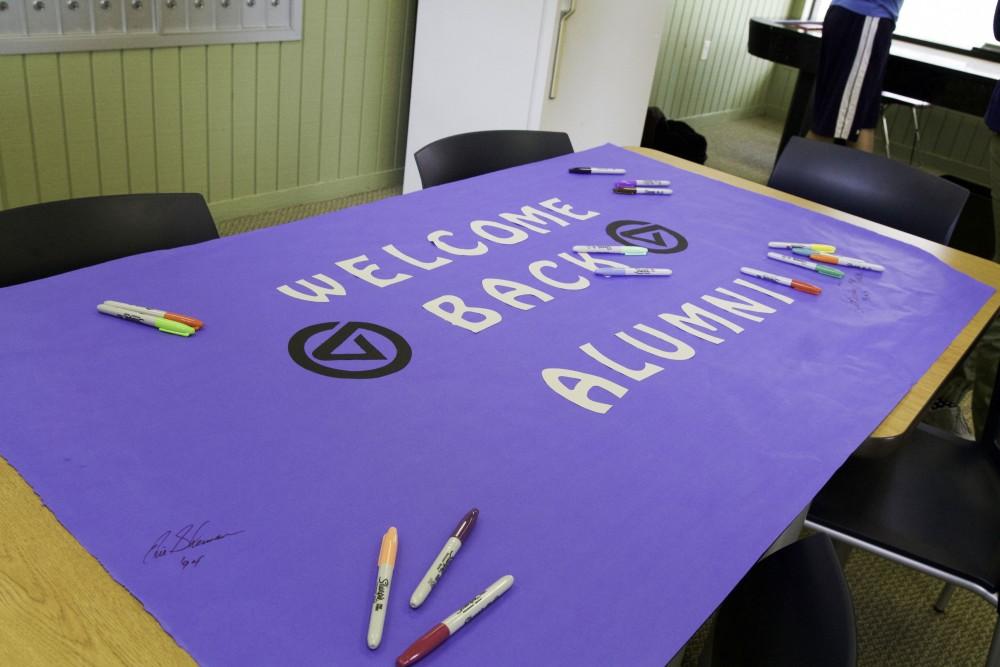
(945, 77)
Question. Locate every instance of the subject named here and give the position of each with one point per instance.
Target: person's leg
(866, 140)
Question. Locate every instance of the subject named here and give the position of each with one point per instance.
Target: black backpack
(673, 136)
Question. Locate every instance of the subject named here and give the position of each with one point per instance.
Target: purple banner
(633, 444)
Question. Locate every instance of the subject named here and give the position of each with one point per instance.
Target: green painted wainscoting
(251, 126)
(729, 82)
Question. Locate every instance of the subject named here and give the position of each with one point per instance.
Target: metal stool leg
(916, 134)
(885, 131)
(944, 598)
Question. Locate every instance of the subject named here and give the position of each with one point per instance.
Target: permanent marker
(183, 319)
(781, 280)
(812, 266)
(642, 191)
(449, 626)
(641, 271)
(444, 558)
(386, 562)
(818, 247)
(853, 262)
(596, 170)
(611, 249)
(166, 326)
(641, 184)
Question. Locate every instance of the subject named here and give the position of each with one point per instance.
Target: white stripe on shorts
(855, 80)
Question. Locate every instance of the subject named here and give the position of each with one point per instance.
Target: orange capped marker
(799, 285)
(386, 563)
(152, 312)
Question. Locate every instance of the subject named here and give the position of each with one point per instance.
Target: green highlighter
(163, 324)
(818, 268)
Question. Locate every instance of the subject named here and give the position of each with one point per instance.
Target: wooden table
(58, 606)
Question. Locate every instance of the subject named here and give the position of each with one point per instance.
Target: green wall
(730, 81)
(250, 126)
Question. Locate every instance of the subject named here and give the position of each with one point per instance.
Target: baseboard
(729, 114)
(306, 194)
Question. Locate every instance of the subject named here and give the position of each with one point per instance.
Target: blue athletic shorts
(853, 54)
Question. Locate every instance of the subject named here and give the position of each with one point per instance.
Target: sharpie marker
(183, 319)
(611, 249)
(812, 266)
(596, 170)
(386, 563)
(166, 326)
(818, 247)
(449, 626)
(642, 271)
(781, 280)
(642, 191)
(641, 184)
(444, 558)
(847, 261)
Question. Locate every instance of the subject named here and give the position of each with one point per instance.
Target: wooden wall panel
(730, 79)
(234, 122)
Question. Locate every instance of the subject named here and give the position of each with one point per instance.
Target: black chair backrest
(793, 608)
(870, 186)
(45, 239)
(473, 153)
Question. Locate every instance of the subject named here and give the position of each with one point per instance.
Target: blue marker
(641, 271)
(611, 249)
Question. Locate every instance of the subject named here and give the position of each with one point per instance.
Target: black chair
(933, 505)
(870, 186)
(793, 608)
(45, 239)
(473, 153)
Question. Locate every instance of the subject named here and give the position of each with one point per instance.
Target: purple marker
(642, 184)
(443, 560)
(642, 191)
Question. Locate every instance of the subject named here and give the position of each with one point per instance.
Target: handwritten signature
(189, 537)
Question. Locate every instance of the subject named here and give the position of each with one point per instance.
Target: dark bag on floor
(674, 137)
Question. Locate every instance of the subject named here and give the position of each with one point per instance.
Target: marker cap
(171, 327)
(192, 322)
(390, 543)
(829, 271)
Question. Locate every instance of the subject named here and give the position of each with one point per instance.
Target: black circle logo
(655, 238)
(362, 362)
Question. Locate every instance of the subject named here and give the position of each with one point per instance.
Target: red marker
(449, 626)
(799, 285)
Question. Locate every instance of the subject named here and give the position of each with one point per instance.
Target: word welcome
(515, 229)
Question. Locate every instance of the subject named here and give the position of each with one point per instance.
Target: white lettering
(508, 291)
(319, 294)
(426, 266)
(579, 393)
(435, 238)
(535, 269)
(640, 374)
(515, 235)
(367, 273)
(566, 209)
(696, 315)
(452, 309)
